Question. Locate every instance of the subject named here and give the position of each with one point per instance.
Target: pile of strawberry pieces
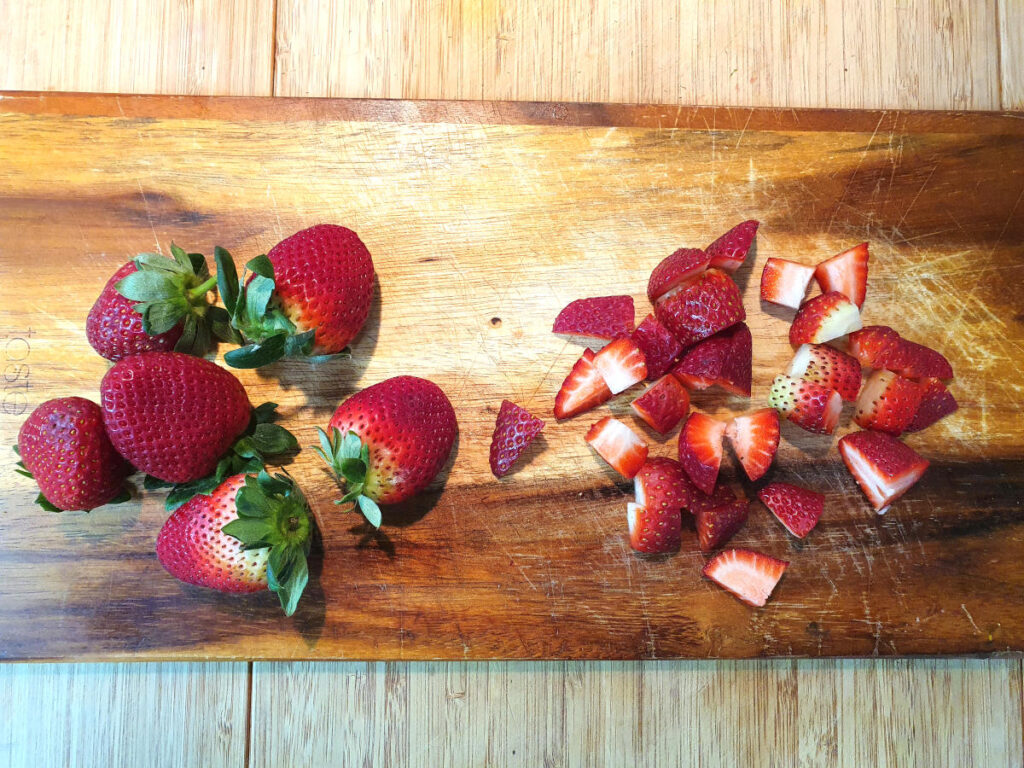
(696, 338)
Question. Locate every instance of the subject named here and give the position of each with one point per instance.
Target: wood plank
(1011, 53)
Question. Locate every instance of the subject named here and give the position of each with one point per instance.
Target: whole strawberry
(389, 441)
(253, 532)
(64, 446)
(309, 296)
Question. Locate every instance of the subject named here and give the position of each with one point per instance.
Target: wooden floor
(948, 54)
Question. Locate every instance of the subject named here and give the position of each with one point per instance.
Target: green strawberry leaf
(151, 483)
(148, 286)
(122, 497)
(351, 446)
(257, 296)
(370, 511)
(326, 448)
(16, 449)
(252, 532)
(227, 278)
(245, 447)
(265, 412)
(199, 266)
(354, 471)
(262, 266)
(273, 438)
(290, 590)
(158, 263)
(344, 354)
(257, 355)
(162, 315)
(180, 257)
(299, 345)
(25, 473)
(43, 502)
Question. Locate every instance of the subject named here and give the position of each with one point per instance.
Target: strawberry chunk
(659, 345)
(936, 403)
(701, 502)
(663, 485)
(824, 318)
(874, 346)
(514, 429)
(750, 576)
(808, 405)
(711, 302)
(716, 525)
(730, 250)
(674, 270)
(724, 359)
(619, 445)
(651, 532)
(846, 273)
(884, 467)
(700, 449)
(603, 317)
(799, 509)
(880, 347)
(828, 367)
(755, 439)
(621, 364)
(663, 405)
(583, 388)
(888, 402)
(785, 282)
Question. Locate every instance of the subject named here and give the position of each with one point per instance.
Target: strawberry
(700, 449)
(65, 448)
(827, 366)
(730, 250)
(936, 403)
(887, 403)
(799, 509)
(621, 364)
(653, 533)
(717, 524)
(749, 575)
(514, 429)
(701, 502)
(604, 317)
(583, 388)
(879, 346)
(806, 404)
(705, 306)
(824, 318)
(846, 273)
(755, 439)
(618, 445)
(874, 346)
(309, 296)
(659, 346)
(388, 442)
(662, 485)
(251, 533)
(674, 270)
(884, 467)
(724, 359)
(663, 405)
(785, 282)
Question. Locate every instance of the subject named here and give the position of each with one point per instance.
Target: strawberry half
(878, 347)
(659, 346)
(887, 403)
(884, 467)
(700, 449)
(621, 364)
(662, 485)
(651, 532)
(724, 359)
(846, 273)
(708, 304)
(824, 318)
(583, 388)
(674, 270)
(749, 575)
(799, 509)
(785, 282)
(618, 445)
(603, 317)
(514, 429)
(936, 403)
(717, 524)
(806, 404)
(730, 250)
(663, 405)
(755, 439)
(828, 367)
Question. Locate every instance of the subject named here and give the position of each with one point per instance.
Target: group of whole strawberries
(188, 424)
(696, 338)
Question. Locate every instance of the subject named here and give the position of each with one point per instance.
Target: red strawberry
(389, 441)
(799, 509)
(724, 359)
(828, 367)
(936, 403)
(659, 346)
(651, 532)
(662, 485)
(583, 388)
(619, 445)
(730, 250)
(785, 282)
(824, 318)
(65, 448)
(716, 525)
(755, 438)
(514, 429)
(806, 404)
(874, 346)
(705, 306)
(887, 403)
(846, 273)
(663, 405)
(879, 346)
(621, 365)
(604, 317)
(884, 467)
(749, 575)
(701, 502)
(674, 270)
(700, 449)
(312, 295)
(249, 534)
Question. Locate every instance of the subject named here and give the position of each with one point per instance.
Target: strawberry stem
(202, 289)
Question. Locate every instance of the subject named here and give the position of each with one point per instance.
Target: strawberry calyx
(44, 503)
(349, 459)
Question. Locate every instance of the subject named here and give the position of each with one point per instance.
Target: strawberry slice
(514, 429)
(663, 485)
(663, 405)
(619, 445)
(716, 525)
(824, 318)
(708, 304)
(799, 509)
(829, 367)
(755, 439)
(653, 533)
(878, 347)
(700, 449)
(730, 250)
(603, 317)
(785, 282)
(806, 404)
(621, 364)
(749, 575)
(659, 346)
(674, 270)
(724, 359)
(701, 502)
(583, 388)
(846, 273)
(936, 403)
(884, 467)
(874, 346)
(887, 403)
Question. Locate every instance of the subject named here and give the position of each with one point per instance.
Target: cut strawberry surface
(755, 439)
(827, 366)
(884, 467)
(603, 317)
(724, 359)
(785, 282)
(887, 403)
(711, 302)
(799, 509)
(653, 532)
(824, 318)
(749, 575)
(716, 525)
(583, 388)
(663, 485)
(846, 273)
(806, 404)
(663, 405)
(619, 445)
(730, 250)
(674, 270)
(700, 449)
(936, 403)
(514, 430)
(621, 364)
(659, 345)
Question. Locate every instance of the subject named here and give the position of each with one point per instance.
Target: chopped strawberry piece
(806, 404)
(514, 429)
(701, 502)
(878, 347)
(604, 317)
(583, 388)
(824, 318)
(887, 403)
(700, 449)
(674, 270)
(716, 525)
(874, 345)
(659, 345)
(884, 467)
(621, 364)
(749, 575)
(730, 250)
(846, 273)
(619, 445)
(664, 404)
(708, 304)
(799, 509)
(785, 282)
(755, 439)
(653, 532)
(936, 403)
(662, 484)
(828, 367)
(724, 359)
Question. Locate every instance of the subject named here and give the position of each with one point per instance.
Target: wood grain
(1011, 53)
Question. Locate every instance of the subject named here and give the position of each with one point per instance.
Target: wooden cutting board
(484, 220)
